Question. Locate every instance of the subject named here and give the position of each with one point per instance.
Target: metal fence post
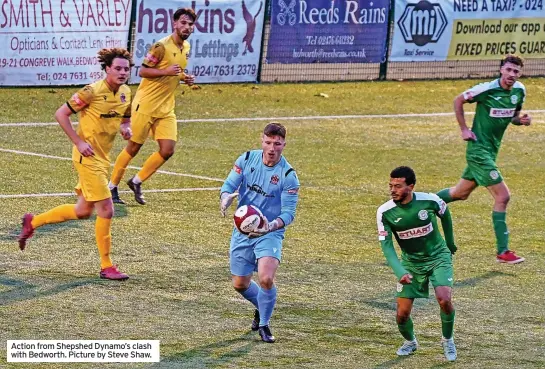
(132, 26)
(384, 65)
(262, 52)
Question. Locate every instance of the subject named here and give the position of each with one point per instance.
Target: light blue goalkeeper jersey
(274, 190)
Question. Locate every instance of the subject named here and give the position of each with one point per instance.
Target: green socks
(500, 229)
(498, 220)
(447, 324)
(406, 330)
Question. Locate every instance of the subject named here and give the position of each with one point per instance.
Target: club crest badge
(423, 214)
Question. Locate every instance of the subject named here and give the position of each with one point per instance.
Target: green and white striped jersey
(496, 107)
(414, 226)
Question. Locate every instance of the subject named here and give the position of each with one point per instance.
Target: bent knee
(266, 282)
(402, 318)
(503, 199)
(106, 213)
(84, 214)
(166, 154)
(133, 150)
(461, 195)
(240, 286)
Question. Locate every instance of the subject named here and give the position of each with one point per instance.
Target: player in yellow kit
(153, 105)
(105, 109)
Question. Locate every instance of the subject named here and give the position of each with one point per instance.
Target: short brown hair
(187, 11)
(512, 58)
(106, 56)
(275, 129)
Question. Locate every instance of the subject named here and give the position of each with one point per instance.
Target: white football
(248, 218)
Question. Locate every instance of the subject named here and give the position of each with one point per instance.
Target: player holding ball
(262, 178)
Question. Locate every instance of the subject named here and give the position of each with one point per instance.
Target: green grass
(252, 100)
(336, 306)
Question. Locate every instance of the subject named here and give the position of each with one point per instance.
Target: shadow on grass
(26, 291)
(212, 355)
(471, 282)
(445, 364)
(390, 305)
(121, 211)
(391, 363)
(12, 234)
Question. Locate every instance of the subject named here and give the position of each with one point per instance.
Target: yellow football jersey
(101, 111)
(155, 96)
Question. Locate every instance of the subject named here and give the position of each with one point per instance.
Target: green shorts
(482, 170)
(439, 271)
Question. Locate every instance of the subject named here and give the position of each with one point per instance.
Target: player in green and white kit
(498, 104)
(411, 217)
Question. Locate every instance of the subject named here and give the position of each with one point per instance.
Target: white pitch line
(327, 117)
(257, 119)
(131, 167)
(31, 124)
(67, 194)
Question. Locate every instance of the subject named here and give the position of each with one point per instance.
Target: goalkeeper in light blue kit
(265, 179)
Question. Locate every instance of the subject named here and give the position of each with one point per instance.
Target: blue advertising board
(328, 31)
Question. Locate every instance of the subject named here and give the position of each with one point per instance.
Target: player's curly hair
(512, 58)
(106, 56)
(275, 129)
(187, 11)
(404, 172)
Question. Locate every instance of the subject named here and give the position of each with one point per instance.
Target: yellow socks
(120, 166)
(104, 241)
(151, 165)
(68, 212)
(56, 215)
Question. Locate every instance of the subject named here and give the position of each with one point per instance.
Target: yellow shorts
(93, 182)
(165, 128)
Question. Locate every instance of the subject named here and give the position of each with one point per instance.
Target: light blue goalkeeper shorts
(244, 251)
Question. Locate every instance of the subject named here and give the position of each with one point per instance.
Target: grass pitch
(336, 306)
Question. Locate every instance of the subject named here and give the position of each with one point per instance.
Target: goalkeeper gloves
(267, 227)
(226, 200)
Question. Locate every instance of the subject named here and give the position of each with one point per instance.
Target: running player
(105, 109)
(153, 105)
(498, 104)
(265, 179)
